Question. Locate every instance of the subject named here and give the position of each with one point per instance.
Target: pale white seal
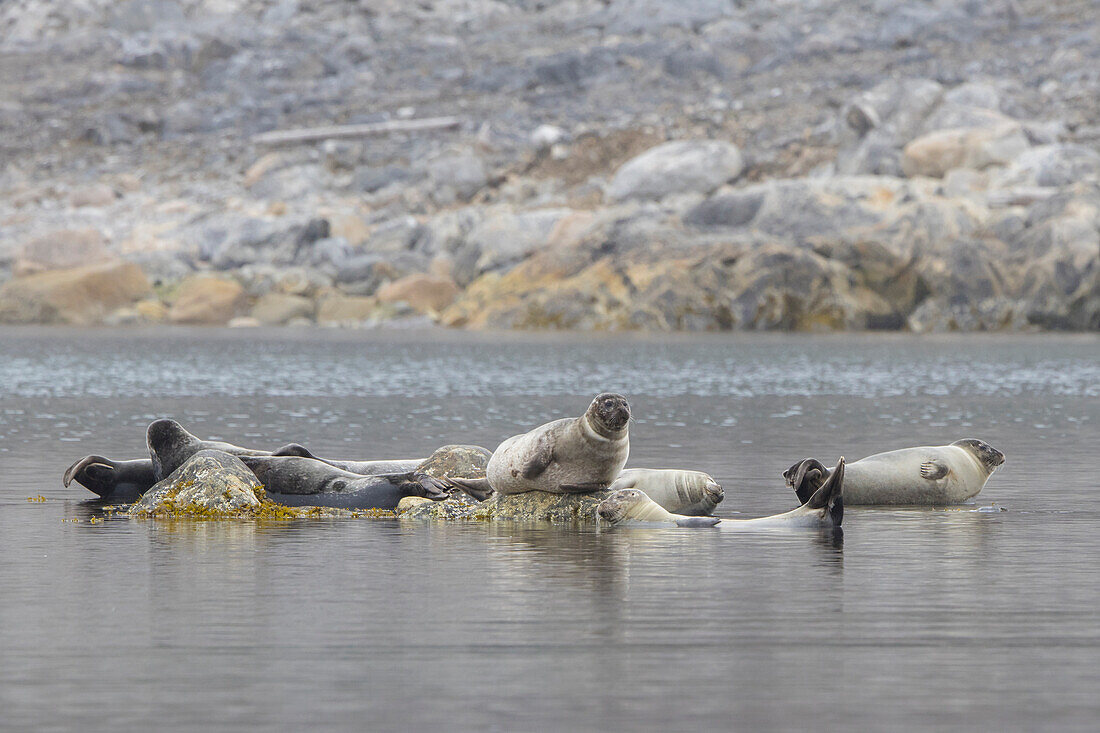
(825, 509)
(571, 455)
(693, 493)
(936, 475)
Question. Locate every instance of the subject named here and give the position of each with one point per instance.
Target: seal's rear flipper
(295, 449)
(806, 477)
(92, 473)
(478, 488)
(697, 521)
(830, 496)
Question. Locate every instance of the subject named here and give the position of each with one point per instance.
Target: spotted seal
(931, 475)
(298, 481)
(693, 493)
(824, 509)
(571, 455)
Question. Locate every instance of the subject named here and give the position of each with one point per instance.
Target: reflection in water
(908, 617)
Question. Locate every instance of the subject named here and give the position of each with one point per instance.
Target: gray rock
(734, 209)
(457, 177)
(208, 484)
(533, 506)
(369, 179)
(677, 167)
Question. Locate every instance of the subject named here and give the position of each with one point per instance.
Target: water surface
(969, 617)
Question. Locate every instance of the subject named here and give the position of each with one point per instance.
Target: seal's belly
(575, 462)
(895, 478)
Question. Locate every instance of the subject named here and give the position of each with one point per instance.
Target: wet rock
(207, 300)
(457, 461)
(277, 309)
(424, 293)
(677, 167)
(532, 506)
(938, 152)
(78, 296)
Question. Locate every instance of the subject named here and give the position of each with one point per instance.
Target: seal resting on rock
(170, 445)
(571, 455)
(298, 481)
(693, 493)
(122, 482)
(931, 475)
(825, 509)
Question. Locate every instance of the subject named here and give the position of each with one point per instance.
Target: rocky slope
(633, 164)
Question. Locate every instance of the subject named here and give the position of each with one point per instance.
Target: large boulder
(78, 296)
(681, 166)
(276, 309)
(207, 300)
(63, 249)
(346, 309)
(979, 147)
(424, 293)
(208, 484)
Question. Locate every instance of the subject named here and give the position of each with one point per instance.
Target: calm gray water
(913, 618)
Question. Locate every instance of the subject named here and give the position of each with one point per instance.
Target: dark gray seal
(170, 445)
(298, 481)
(116, 482)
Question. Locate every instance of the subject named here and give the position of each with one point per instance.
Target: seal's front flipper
(934, 469)
(830, 497)
(295, 449)
(540, 459)
(697, 521)
(478, 488)
(580, 488)
(433, 488)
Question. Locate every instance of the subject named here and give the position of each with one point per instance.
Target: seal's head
(165, 431)
(95, 473)
(986, 454)
(614, 508)
(609, 413)
(713, 492)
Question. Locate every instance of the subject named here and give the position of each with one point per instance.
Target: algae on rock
(531, 506)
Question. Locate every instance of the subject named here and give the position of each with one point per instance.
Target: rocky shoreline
(638, 165)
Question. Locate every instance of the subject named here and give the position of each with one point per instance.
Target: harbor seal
(123, 482)
(170, 445)
(693, 493)
(116, 482)
(632, 505)
(298, 481)
(567, 456)
(930, 475)
(824, 510)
